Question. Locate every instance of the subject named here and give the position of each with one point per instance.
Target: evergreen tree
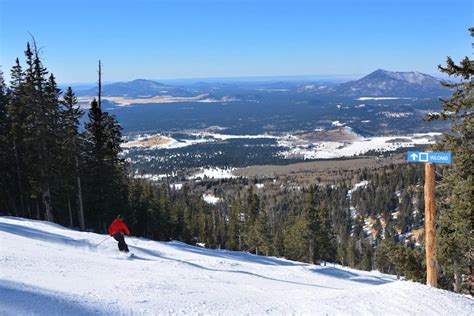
(312, 226)
(104, 169)
(325, 237)
(367, 256)
(457, 184)
(251, 212)
(234, 227)
(71, 114)
(262, 233)
(17, 113)
(41, 119)
(5, 150)
(295, 239)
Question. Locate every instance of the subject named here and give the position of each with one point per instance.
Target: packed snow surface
(47, 269)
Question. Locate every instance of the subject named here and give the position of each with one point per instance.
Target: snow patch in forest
(356, 186)
(214, 173)
(152, 177)
(361, 184)
(176, 186)
(211, 198)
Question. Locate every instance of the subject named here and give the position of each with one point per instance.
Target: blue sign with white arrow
(431, 157)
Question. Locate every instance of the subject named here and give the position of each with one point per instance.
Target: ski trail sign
(430, 157)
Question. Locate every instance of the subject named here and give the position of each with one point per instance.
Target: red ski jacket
(118, 226)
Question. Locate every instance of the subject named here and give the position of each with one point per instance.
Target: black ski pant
(121, 242)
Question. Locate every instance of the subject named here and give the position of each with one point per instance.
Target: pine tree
(262, 233)
(251, 212)
(325, 236)
(367, 256)
(17, 113)
(71, 115)
(96, 174)
(455, 232)
(105, 171)
(234, 227)
(295, 239)
(42, 97)
(312, 226)
(5, 150)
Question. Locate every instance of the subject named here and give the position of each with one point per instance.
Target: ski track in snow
(47, 269)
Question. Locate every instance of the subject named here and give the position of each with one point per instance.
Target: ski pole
(102, 241)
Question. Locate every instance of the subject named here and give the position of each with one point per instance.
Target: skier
(117, 229)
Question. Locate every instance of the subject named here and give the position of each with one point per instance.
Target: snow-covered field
(84, 102)
(50, 270)
(196, 138)
(337, 149)
(295, 146)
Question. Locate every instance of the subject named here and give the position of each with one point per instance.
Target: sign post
(430, 226)
(430, 159)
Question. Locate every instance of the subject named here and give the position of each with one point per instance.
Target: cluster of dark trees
(50, 168)
(55, 169)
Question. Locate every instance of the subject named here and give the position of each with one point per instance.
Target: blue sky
(211, 38)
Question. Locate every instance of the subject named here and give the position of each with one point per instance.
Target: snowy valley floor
(47, 269)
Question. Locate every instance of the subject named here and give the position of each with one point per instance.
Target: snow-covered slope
(50, 270)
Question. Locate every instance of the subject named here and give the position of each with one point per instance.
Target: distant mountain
(380, 83)
(137, 88)
(383, 83)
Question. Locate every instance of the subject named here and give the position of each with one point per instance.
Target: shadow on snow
(20, 299)
(158, 254)
(34, 233)
(235, 255)
(350, 276)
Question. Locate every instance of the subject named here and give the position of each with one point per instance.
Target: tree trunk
(70, 211)
(471, 260)
(46, 196)
(38, 213)
(100, 85)
(214, 228)
(11, 203)
(240, 241)
(457, 280)
(79, 197)
(20, 187)
(311, 251)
